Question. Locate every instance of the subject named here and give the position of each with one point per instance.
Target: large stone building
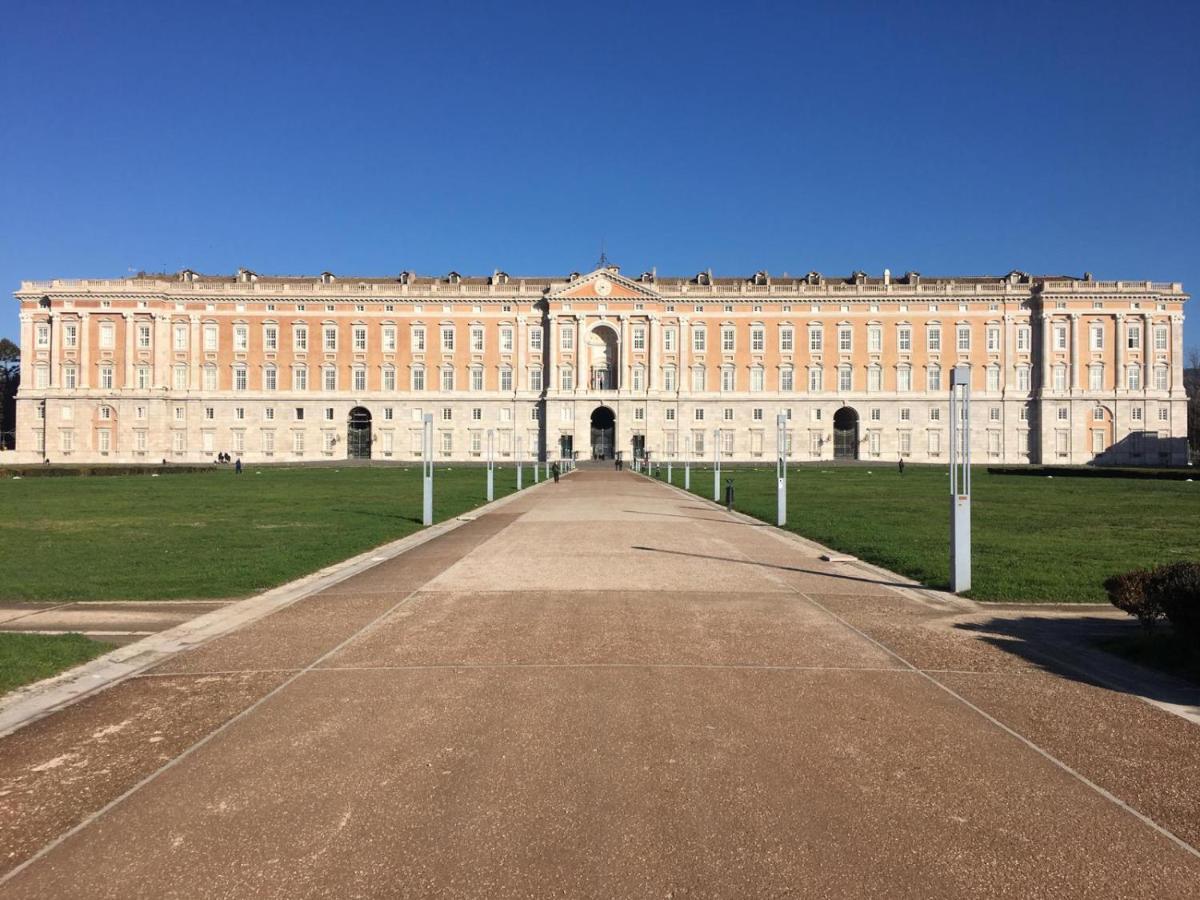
(183, 367)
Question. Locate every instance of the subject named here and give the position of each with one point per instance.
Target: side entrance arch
(358, 433)
(845, 433)
(604, 433)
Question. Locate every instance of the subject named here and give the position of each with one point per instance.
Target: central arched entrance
(358, 433)
(845, 433)
(603, 358)
(604, 433)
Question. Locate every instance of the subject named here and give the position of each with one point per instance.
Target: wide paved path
(604, 688)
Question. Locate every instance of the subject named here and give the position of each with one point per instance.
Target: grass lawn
(210, 535)
(1034, 538)
(26, 658)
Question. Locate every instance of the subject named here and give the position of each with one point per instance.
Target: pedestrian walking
(237, 466)
(901, 465)
(554, 471)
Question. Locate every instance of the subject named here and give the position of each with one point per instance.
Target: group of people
(227, 458)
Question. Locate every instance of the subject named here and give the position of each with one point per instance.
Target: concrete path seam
(1083, 779)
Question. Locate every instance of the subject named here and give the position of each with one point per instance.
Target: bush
(1128, 593)
(1175, 589)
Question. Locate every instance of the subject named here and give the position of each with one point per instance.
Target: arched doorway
(603, 359)
(358, 433)
(845, 433)
(604, 432)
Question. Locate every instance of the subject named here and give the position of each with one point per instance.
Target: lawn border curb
(42, 698)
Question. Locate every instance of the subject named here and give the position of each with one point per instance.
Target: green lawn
(1034, 538)
(214, 534)
(25, 658)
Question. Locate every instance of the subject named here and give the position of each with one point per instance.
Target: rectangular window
(698, 379)
(566, 337)
(845, 338)
(239, 378)
(181, 336)
(787, 380)
(477, 379)
(389, 338)
(268, 442)
(1160, 337)
(506, 379)
(727, 338)
(904, 379)
(42, 335)
(1095, 378)
(329, 341)
(934, 443)
(417, 338)
(300, 337)
(143, 337)
(179, 379)
(994, 414)
(757, 378)
(934, 378)
(874, 378)
(360, 379)
(241, 338)
(993, 339)
(1024, 338)
(699, 339)
(904, 339)
(298, 443)
(1060, 337)
(106, 377)
(1060, 378)
(669, 340)
(639, 337)
(476, 339)
(905, 443)
(1096, 337)
(535, 338)
(535, 379)
(1023, 378)
(1133, 337)
(107, 336)
(815, 379)
(816, 339)
(360, 338)
(669, 378)
(329, 378)
(70, 379)
(964, 338)
(1160, 378)
(179, 441)
(993, 378)
(506, 339)
(845, 378)
(447, 379)
(758, 338)
(447, 338)
(787, 338)
(933, 339)
(874, 339)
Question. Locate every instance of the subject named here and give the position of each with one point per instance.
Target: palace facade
(279, 368)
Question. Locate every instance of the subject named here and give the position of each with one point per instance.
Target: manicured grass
(25, 658)
(1034, 539)
(210, 535)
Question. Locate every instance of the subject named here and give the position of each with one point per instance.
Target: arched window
(669, 379)
(933, 378)
(874, 378)
(728, 380)
(239, 378)
(993, 378)
(477, 378)
(1023, 379)
(329, 378)
(506, 378)
(389, 378)
(447, 378)
(270, 378)
(787, 379)
(845, 378)
(757, 378)
(1096, 377)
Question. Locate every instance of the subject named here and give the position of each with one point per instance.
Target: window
(873, 443)
(874, 339)
(904, 339)
(1059, 374)
(41, 377)
(1064, 414)
(300, 338)
(359, 335)
(389, 378)
(904, 378)
(181, 336)
(1096, 377)
(142, 379)
(360, 379)
(816, 338)
(787, 338)
(727, 378)
(638, 378)
(698, 414)
(993, 339)
(106, 377)
(993, 378)
(298, 443)
(506, 339)
(699, 338)
(1160, 337)
(905, 443)
(179, 442)
(476, 338)
(845, 338)
(1060, 337)
(698, 378)
(417, 338)
(1023, 378)
(506, 379)
(1136, 414)
(787, 379)
(669, 340)
(845, 378)
(933, 338)
(1096, 337)
(670, 411)
(1133, 378)
(330, 341)
(329, 378)
(1133, 336)
(239, 413)
(389, 338)
(447, 376)
(639, 337)
(964, 338)
(727, 338)
(876, 414)
(447, 332)
(669, 378)
(239, 378)
(477, 378)
(179, 378)
(241, 338)
(757, 378)
(70, 377)
(107, 336)
(42, 335)
(905, 414)
(535, 338)
(1164, 414)
(874, 378)
(1098, 414)
(1160, 378)
(639, 413)
(933, 378)
(815, 379)
(535, 379)
(994, 414)
(566, 337)
(1024, 338)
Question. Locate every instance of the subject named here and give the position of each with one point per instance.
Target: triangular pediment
(603, 284)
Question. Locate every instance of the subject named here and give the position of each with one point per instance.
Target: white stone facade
(181, 368)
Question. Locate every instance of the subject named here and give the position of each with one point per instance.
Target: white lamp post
(960, 479)
(427, 471)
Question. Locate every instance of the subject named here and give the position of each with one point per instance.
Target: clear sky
(955, 138)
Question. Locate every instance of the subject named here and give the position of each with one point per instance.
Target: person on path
(554, 472)
(237, 466)
(901, 465)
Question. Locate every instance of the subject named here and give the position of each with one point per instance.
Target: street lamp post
(687, 462)
(716, 465)
(960, 479)
(491, 465)
(427, 471)
(781, 470)
(519, 473)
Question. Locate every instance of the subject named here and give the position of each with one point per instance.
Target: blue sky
(949, 138)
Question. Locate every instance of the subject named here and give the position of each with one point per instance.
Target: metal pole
(669, 455)
(716, 465)
(960, 479)
(427, 472)
(536, 464)
(491, 465)
(687, 462)
(781, 471)
(518, 463)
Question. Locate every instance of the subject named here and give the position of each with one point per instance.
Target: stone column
(1074, 352)
(1147, 350)
(1175, 360)
(129, 325)
(85, 352)
(1119, 373)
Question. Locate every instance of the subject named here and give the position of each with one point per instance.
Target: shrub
(1175, 589)
(1128, 593)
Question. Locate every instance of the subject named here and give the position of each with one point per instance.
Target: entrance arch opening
(603, 358)
(845, 433)
(358, 433)
(604, 433)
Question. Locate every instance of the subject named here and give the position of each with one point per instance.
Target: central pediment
(603, 284)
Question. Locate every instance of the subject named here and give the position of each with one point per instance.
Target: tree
(10, 378)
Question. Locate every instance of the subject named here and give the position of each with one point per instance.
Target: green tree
(10, 378)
